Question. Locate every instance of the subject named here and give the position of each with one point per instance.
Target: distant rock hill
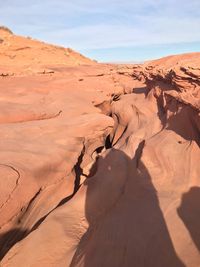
(23, 51)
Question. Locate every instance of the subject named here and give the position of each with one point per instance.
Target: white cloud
(86, 24)
(155, 31)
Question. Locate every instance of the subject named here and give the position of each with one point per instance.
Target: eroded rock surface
(100, 165)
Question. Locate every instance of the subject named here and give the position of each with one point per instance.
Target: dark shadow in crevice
(140, 90)
(13, 236)
(99, 149)
(114, 140)
(108, 143)
(9, 239)
(78, 172)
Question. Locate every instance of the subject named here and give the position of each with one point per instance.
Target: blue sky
(109, 30)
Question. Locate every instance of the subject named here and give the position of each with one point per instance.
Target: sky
(109, 30)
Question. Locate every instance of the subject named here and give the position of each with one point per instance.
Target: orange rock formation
(99, 162)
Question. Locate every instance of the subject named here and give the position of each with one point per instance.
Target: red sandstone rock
(97, 167)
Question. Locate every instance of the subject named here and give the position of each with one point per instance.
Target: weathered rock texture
(99, 163)
(19, 55)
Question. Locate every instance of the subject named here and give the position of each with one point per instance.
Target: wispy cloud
(160, 31)
(100, 24)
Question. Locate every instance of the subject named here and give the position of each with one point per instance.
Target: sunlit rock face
(99, 163)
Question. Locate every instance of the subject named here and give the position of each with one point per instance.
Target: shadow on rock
(126, 224)
(9, 239)
(189, 212)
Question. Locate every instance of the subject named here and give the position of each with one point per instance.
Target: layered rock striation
(100, 165)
